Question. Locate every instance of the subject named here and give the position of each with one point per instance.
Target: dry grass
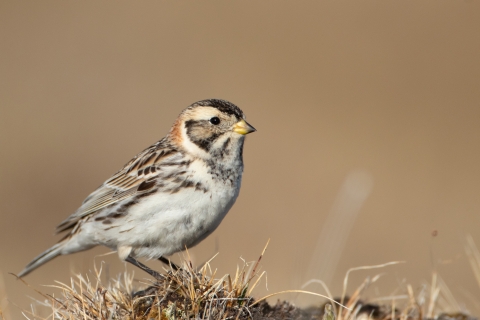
(182, 294)
(198, 294)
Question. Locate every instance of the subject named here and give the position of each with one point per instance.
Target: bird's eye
(215, 120)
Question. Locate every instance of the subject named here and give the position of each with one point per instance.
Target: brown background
(389, 89)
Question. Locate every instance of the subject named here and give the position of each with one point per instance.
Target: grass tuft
(183, 294)
(190, 293)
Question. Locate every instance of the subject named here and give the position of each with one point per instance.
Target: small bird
(169, 197)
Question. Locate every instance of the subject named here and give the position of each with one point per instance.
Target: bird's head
(211, 128)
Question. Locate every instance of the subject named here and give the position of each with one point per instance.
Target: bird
(169, 197)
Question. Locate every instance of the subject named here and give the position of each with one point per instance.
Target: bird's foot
(170, 263)
(140, 265)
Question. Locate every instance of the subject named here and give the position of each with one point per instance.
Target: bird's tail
(43, 258)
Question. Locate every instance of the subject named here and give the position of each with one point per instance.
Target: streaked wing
(137, 176)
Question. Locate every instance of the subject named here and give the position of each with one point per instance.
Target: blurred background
(368, 137)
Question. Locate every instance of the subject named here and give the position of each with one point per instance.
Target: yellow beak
(242, 127)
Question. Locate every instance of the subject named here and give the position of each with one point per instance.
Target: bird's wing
(137, 176)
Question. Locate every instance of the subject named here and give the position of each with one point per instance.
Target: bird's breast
(170, 221)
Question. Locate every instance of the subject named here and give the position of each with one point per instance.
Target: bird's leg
(140, 265)
(169, 263)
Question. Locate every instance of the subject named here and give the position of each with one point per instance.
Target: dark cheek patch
(202, 144)
(197, 132)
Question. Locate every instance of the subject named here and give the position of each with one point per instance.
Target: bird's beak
(242, 127)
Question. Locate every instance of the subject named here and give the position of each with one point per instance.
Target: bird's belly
(167, 223)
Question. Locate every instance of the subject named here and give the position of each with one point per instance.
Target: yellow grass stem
(299, 291)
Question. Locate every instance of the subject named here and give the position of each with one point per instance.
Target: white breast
(164, 223)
